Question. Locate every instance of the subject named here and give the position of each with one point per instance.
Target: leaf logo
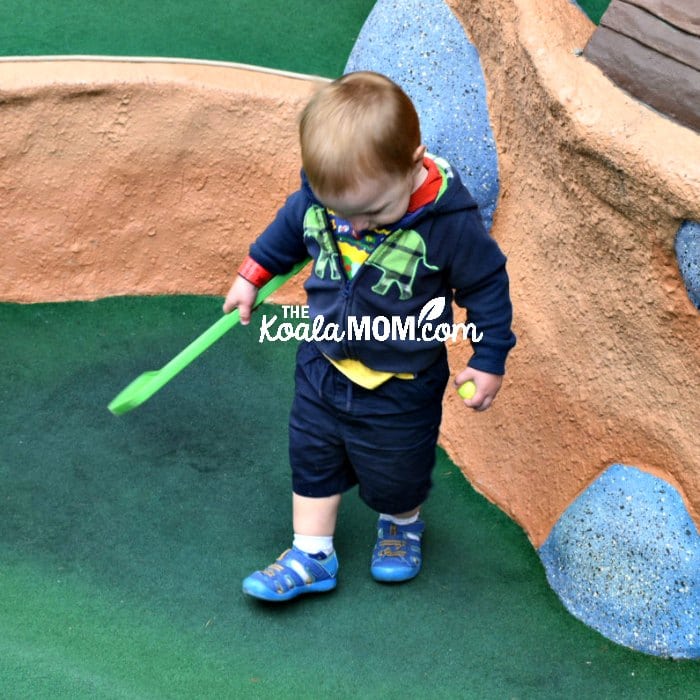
(432, 310)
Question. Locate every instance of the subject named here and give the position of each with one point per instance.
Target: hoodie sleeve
(281, 245)
(478, 276)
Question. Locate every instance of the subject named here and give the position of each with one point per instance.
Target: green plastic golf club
(146, 384)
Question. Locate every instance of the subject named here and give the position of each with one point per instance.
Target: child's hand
(241, 296)
(487, 386)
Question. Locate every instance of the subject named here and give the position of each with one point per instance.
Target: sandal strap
(293, 568)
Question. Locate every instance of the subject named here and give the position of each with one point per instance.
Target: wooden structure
(651, 49)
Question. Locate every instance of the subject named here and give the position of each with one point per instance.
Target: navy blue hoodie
(383, 313)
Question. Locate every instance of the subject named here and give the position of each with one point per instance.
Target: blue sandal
(397, 554)
(294, 573)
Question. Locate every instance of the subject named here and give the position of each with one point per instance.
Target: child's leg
(320, 471)
(393, 453)
(314, 523)
(405, 518)
(315, 516)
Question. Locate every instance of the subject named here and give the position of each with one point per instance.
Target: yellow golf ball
(467, 390)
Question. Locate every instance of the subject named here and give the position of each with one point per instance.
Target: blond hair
(358, 126)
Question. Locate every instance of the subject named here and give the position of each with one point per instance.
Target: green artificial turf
(304, 36)
(595, 9)
(123, 541)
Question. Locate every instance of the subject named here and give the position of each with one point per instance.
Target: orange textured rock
(138, 178)
(129, 178)
(594, 186)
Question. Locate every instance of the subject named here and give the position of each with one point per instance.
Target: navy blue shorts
(384, 439)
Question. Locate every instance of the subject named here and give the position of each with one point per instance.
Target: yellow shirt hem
(366, 377)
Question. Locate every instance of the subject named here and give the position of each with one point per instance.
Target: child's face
(377, 201)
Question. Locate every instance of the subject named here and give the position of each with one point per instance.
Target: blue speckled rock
(421, 45)
(625, 559)
(688, 254)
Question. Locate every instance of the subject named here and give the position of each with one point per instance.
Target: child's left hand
(487, 386)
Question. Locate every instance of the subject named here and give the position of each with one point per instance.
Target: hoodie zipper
(350, 283)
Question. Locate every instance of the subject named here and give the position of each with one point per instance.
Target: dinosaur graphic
(317, 229)
(398, 259)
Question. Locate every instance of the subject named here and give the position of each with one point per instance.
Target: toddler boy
(392, 232)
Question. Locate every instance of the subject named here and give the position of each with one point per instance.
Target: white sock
(311, 544)
(400, 521)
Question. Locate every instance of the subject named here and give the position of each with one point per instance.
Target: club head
(142, 388)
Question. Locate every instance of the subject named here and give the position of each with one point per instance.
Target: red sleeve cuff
(255, 273)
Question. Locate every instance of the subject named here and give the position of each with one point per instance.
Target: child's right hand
(241, 296)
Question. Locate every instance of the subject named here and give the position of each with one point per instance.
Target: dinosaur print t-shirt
(355, 248)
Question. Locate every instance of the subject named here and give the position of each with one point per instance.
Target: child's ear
(419, 153)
